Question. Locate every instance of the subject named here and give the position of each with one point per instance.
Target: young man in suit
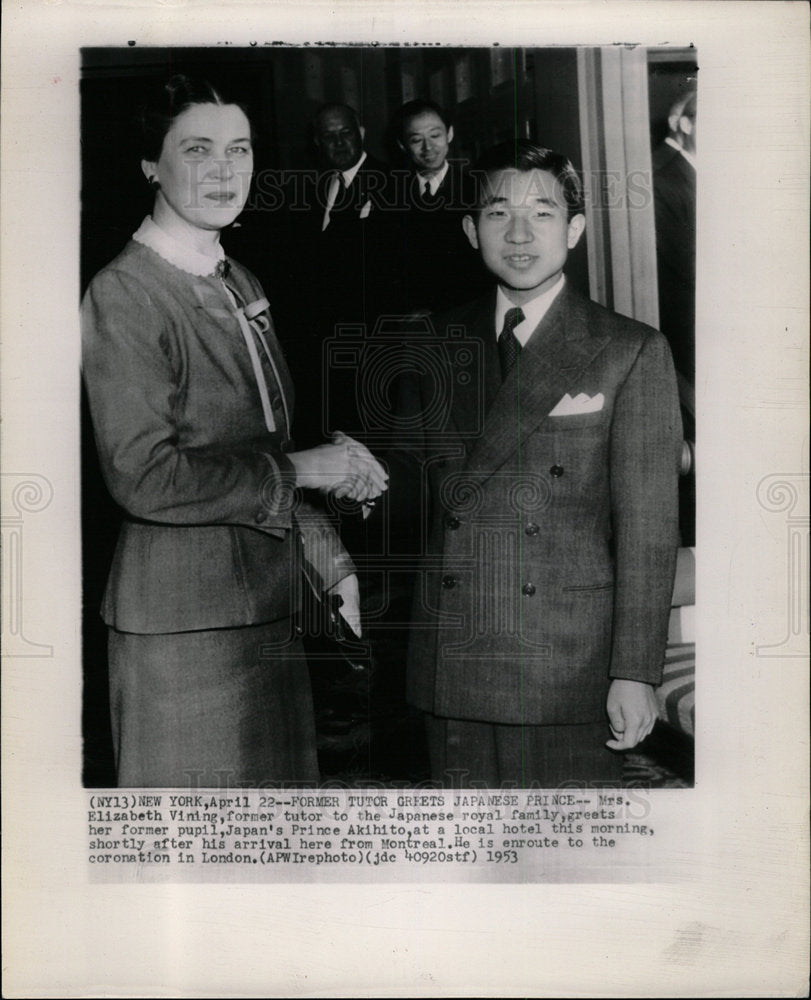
(438, 269)
(547, 444)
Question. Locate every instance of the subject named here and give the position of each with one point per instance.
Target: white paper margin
(741, 928)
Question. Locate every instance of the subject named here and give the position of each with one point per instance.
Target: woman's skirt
(226, 708)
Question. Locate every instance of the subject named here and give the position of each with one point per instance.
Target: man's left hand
(632, 712)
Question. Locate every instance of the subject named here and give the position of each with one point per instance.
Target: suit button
(286, 445)
(532, 529)
(452, 522)
(260, 517)
(556, 471)
(448, 582)
(299, 630)
(528, 589)
(276, 402)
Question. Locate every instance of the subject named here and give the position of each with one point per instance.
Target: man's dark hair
(167, 101)
(523, 155)
(418, 107)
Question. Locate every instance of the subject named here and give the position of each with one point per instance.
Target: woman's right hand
(345, 468)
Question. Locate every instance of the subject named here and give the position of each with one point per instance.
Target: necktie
(508, 344)
(426, 196)
(337, 186)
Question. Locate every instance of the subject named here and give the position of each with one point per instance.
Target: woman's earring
(154, 183)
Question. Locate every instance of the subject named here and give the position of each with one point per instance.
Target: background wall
(492, 94)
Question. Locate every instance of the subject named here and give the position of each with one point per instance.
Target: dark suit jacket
(212, 527)
(364, 198)
(550, 541)
(340, 276)
(437, 267)
(674, 191)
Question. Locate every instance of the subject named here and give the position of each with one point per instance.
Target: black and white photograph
(511, 539)
(405, 483)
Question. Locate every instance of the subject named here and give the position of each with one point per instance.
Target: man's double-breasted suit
(548, 509)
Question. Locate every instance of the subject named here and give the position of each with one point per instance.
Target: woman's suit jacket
(211, 536)
(550, 514)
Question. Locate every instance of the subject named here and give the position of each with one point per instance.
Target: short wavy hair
(523, 155)
(167, 101)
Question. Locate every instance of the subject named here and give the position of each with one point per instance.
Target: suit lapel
(559, 350)
(445, 189)
(449, 191)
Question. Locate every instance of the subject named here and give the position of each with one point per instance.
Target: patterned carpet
(367, 734)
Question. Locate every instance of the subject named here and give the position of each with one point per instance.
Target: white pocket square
(569, 407)
(366, 210)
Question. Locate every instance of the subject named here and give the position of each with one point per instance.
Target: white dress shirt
(688, 156)
(432, 183)
(335, 186)
(534, 311)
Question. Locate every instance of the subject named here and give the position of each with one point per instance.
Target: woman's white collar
(176, 253)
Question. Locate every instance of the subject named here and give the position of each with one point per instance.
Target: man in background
(674, 193)
(340, 279)
(340, 272)
(438, 268)
(351, 180)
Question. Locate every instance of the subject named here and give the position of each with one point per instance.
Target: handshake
(344, 468)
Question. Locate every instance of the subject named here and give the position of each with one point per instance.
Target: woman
(191, 403)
